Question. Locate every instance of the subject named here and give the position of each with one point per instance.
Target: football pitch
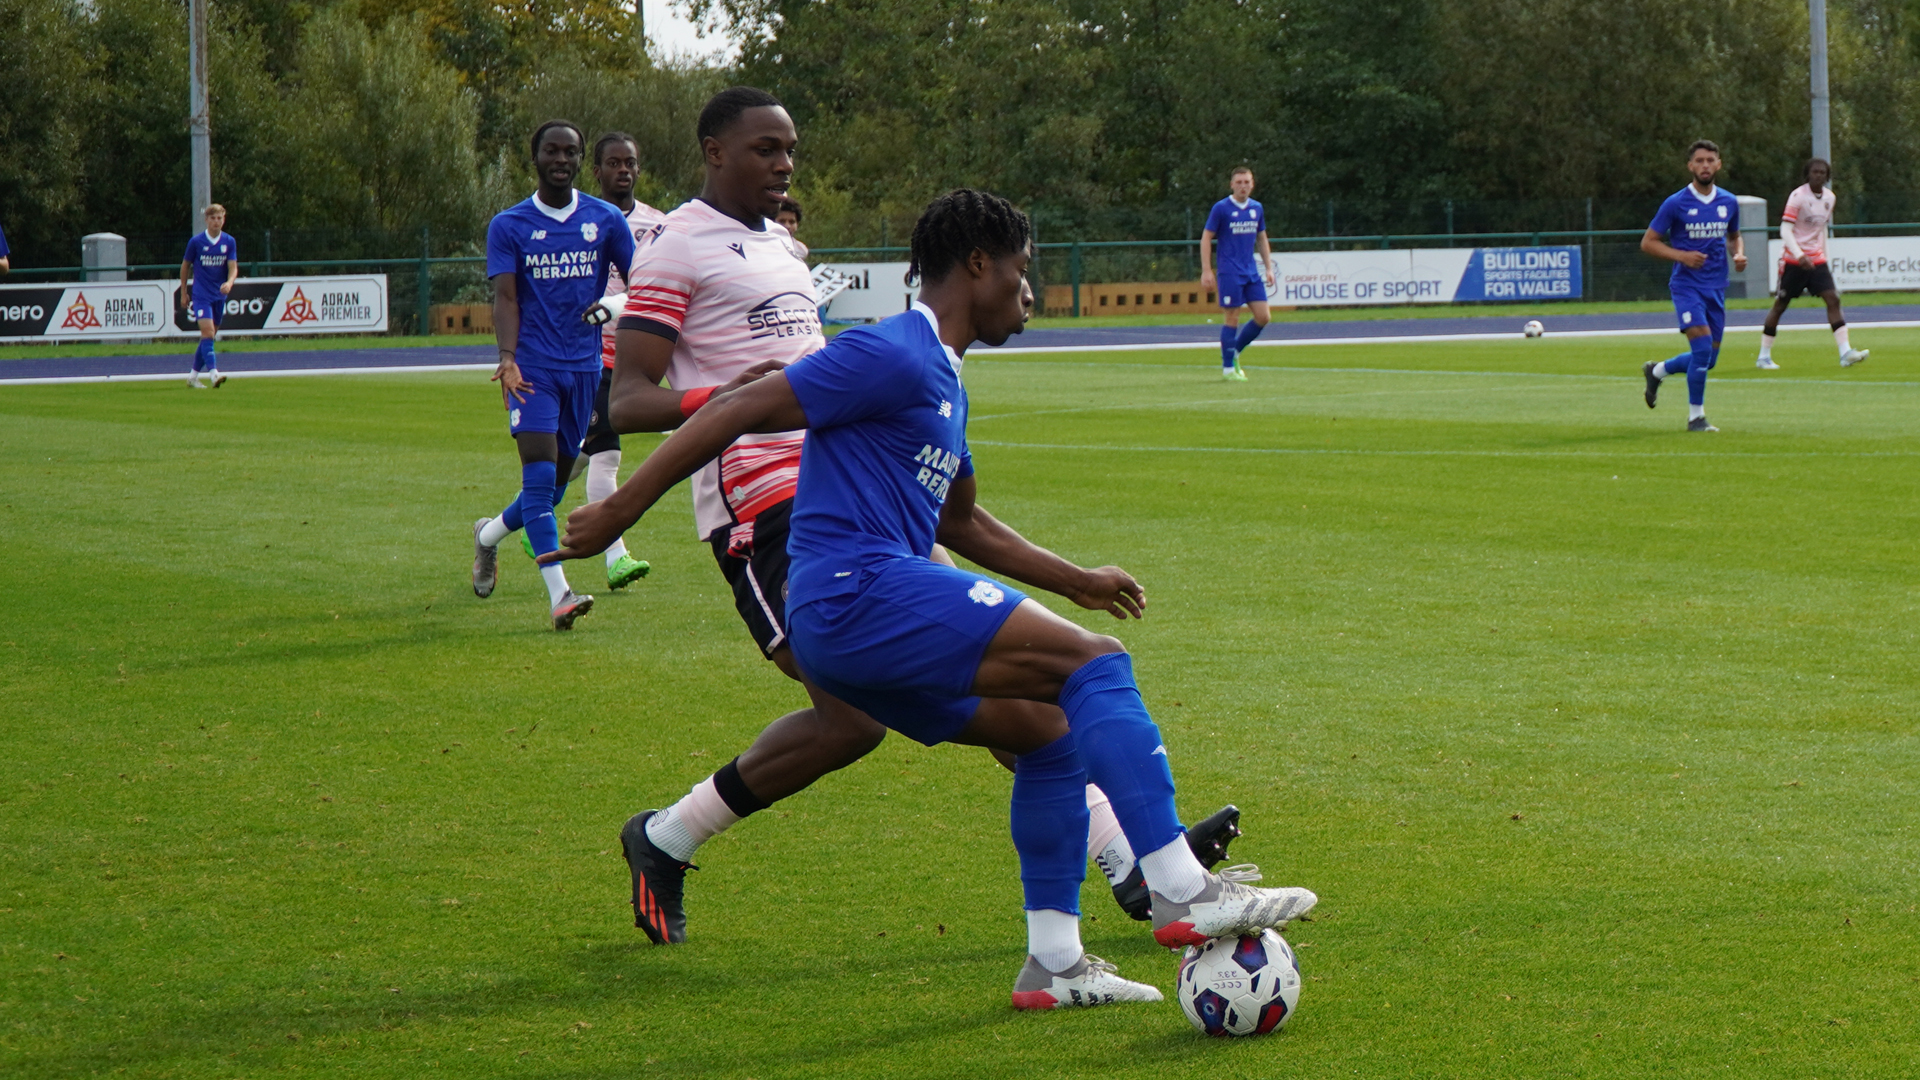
(1597, 739)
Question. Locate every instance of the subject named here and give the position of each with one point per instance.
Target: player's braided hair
(533, 145)
(1806, 173)
(611, 138)
(723, 108)
(957, 224)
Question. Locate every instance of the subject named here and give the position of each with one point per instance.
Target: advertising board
(1862, 263)
(1425, 276)
(116, 310)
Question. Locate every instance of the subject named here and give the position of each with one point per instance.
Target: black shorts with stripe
(600, 434)
(1795, 279)
(756, 566)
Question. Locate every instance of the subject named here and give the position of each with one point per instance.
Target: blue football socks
(1227, 351)
(536, 506)
(1247, 334)
(1121, 749)
(1702, 357)
(1049, 816)
(203, 355)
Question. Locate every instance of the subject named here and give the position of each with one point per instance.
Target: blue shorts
(208, 309)
(904, 649)
(561, 404)
(1237, 290)
(1700, 307)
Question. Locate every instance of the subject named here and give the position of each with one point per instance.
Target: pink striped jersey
(641, 219)
(729, 297)
(1803, 224)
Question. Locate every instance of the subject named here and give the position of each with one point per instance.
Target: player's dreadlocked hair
(1807, 172)
(957, 224)
(533, 145)
(723, 108)
(611, 138)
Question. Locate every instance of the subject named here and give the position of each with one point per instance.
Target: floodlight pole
(1822, 125)
(199, 135)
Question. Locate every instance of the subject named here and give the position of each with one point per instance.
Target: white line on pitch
(1313, 451)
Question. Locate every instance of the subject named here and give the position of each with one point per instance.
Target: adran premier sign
(147, 309)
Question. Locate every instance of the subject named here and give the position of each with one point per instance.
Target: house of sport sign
(109, 310)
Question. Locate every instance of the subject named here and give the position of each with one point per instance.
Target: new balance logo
(737, 250)
(539, 234)
(1161, 750)
(946, 409)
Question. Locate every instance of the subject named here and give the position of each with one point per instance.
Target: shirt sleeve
(859, 375)
(503, 255)
(4, 251)
(1216, 221)
(1662, 222)
(192, 243)
(1787, 218)
(661, 284)
(233, 248)
(619, 247)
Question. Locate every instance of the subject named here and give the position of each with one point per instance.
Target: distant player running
(548, 258)
(1239, 225)
(713, 298)
(1803, 264)
(207, 274)
(940, 654)
(1695, 229)
(616, 167)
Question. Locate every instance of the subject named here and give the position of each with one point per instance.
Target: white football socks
(556, 580)
(1053, 938)
(698, 817)
(494, 531)
(1840, 338)
(1695, 412)
(603, 479)
(1660, 370)
(1111, 852)
(1766, 346)
(1173, 872)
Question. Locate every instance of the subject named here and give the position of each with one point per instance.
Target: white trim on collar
(1238, 203)
(1708, 198)
(557, 213)
(933, 320)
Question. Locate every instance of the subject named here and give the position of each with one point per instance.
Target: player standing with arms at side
(1803, 264)
(1238, 224)
(616, 167)
(1696, 222)
(207, 274)
(940, 654)
(713, 300)
(548, 258)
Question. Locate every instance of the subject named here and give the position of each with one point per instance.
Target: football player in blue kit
(1697, 228)
(943, 655)
(207, 273)
(1238, 225)
(548, 258)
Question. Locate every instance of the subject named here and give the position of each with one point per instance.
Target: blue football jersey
(208, 256)
(560, 260)
(4, 252)
(1692, 223)
(1235, 228)
(886, 439)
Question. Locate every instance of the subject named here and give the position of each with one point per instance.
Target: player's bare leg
(1771, 330)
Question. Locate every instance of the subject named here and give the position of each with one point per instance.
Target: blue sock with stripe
(1700, 363)
(1227, 338)
(1121, 749)
(536, 506)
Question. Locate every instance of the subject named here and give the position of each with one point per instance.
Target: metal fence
(1614, 266)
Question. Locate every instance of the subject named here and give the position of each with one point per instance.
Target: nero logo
(246, 307)
(787, 314)
(19, 312)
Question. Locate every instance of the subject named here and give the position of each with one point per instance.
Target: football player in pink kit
(716, 299)
(1803, 265)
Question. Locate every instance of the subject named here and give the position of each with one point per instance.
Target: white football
(1533, 328)
(1236, 986)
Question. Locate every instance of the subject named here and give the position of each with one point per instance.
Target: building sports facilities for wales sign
(1425, 276)
(110, 310)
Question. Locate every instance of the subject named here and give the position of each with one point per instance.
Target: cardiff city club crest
(589, 232)
(299, 309)
(81, 315)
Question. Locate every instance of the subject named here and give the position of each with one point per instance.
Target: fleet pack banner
(107, 309)
(299, 305)
(110, 310)
(1861, 263)
(874, 291)
(1425, 276)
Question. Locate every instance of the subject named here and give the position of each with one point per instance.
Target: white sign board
(874, 291)
(118, 310)
(1425, 276)
(1861, 263)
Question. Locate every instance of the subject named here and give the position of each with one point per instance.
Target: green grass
(1596, 739)
(184, 346)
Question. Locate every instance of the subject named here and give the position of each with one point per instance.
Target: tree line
(352, 125)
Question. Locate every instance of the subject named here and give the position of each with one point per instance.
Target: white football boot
(1766, 363)
(1853, 356)
(1090, 981)
(1227, 907)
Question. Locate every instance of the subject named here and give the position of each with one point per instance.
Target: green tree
(44, 96)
